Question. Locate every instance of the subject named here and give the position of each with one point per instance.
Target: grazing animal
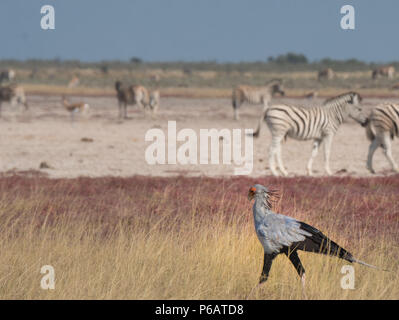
(316, 123)
(13, 94)
(154, 101)
(75, 107)
(381, 127)
(387, 71)
(255, 95)
(311, 95)
(395, 86)
(132, 95)
(326, 74)
(282, 234)
(74, 82)
(7, 75)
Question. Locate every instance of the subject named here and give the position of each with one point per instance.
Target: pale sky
(198, 30)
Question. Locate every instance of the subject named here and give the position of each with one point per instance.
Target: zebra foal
(318, 124)
(255, 95)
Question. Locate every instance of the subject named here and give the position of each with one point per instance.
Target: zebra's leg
(236, 115)
(373, 146)
(125, 111)
(120, 109)
(280, 161)
(315, 150)
(274, 151)
(327, 149)
(386, 141)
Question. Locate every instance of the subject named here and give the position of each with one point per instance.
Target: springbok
(73, 108)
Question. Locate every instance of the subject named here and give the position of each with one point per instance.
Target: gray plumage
(282, 234)
(275, 231)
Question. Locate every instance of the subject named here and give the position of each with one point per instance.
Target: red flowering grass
(367, 203)
(182, 215)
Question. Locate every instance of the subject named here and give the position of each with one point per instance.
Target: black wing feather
(319, 243)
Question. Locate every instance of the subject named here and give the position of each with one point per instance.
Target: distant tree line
(281, 63)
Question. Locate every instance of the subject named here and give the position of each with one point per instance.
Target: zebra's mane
(341, 99)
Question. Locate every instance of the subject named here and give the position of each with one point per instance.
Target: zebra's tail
(369, 130)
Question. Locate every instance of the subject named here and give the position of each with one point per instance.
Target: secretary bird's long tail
(368, 265)
(319, 243)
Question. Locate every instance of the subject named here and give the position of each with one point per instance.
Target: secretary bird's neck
(262, 205)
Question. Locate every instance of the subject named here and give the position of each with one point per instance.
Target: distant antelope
(381, 127)
(74, 82)
(73, 108)
(326, 74)
(13, 94)
(7, 75)
(387, 71)
(135, 94)
(255, 95)
(311, 95)
(395, 86)
(155, 77)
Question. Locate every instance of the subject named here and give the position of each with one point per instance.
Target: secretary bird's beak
(251, 193)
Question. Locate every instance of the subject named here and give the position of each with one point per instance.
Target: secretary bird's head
(262, 193)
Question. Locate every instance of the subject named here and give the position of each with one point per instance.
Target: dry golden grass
(188, 238)
(198, 93)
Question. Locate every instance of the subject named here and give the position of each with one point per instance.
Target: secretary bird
(282, 234)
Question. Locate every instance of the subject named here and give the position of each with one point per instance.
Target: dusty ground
(46, 134)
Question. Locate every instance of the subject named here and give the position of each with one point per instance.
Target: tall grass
(188, 238)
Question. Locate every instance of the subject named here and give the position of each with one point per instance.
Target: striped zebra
(327, 74)
(387, 71)
(7, 75)
(134, 94)
(381, 127)
(317, 123)
(255, 95)
(13, 94)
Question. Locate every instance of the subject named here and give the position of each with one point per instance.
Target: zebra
(327, 74)
(132, 95)
(387, 71)
(255, 95)
(7, 75)
(381, 127)
(154, 101)
(13, 94)
(317, 123)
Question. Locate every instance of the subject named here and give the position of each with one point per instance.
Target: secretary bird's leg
(267, 264)
(293, 256)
